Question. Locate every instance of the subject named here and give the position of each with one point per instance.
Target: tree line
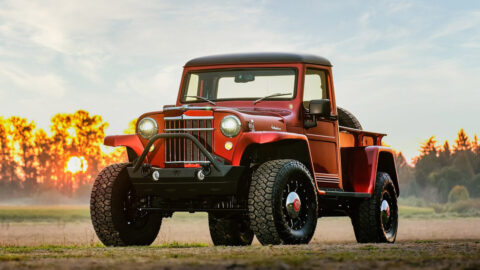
(442, 170)
(34, 161)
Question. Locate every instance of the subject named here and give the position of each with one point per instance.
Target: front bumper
(220, 179)
(174, 183)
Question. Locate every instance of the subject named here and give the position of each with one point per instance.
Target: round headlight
(230, 126)
(147, 127)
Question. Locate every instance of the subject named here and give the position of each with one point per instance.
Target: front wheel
(282, 203)
(114, 210)
(376, 220)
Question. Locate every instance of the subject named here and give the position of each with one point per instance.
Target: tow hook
(156, 175)
(202, 173)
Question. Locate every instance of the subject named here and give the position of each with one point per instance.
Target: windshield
(240, 84)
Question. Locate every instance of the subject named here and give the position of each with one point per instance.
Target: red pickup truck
(256, 141)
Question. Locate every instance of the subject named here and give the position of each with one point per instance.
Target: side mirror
(320, 107)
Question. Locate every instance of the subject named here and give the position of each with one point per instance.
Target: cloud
(460, 23)
(49, 84)
(405, 78)
(90, 37)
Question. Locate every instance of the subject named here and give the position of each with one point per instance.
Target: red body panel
(132, 141)
(359, 167)
(262, 138)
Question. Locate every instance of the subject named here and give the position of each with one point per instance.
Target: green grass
(462, 209)
(44, 213)
(66, 213)
(415, 211)
(176, 244)
(81, 213)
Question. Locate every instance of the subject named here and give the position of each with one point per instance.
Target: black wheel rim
(301, 189)
(388, 214)
(134, 216)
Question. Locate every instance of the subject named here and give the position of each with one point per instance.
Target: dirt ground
(184, 243)
(186, 228)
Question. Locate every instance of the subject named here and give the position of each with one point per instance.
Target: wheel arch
(386, 163)
(296, 149)
(131, 142)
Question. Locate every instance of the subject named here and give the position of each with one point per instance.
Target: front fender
(132, 141)
(263, 137)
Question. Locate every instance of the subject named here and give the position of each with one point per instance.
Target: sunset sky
(407, 68)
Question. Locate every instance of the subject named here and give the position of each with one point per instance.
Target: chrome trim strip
(188, 129)
(327, 180)
(326, 175)
(187, 117)
(187, 107)
(188, 162)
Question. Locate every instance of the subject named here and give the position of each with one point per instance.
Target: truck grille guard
(181, 150)
(216, 164)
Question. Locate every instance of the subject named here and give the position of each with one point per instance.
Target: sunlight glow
(71, 131)
(76, 164)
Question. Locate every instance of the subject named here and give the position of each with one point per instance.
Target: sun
(76, 164)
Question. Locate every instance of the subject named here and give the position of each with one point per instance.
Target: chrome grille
(183, 151)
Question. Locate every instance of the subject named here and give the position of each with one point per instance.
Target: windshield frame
(187, 77)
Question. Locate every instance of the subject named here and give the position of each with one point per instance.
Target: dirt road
(187, 228)
(450, 254)
(184, 243)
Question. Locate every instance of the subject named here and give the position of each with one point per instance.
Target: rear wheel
(114, 210)
(376, 220)
(230, 229)
(282, 203)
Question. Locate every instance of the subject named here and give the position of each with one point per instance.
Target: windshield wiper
(202, 98)
(272, 95)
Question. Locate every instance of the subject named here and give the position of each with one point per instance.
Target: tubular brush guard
(155, 138)
(182, 182)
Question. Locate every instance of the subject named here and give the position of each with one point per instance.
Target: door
(323, 137)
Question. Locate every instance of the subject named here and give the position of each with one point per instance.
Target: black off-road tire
(347, 119)
(266, 203)
(230, 229)
(367, 217)
(113, 225)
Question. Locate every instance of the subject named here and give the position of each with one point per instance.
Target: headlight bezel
(234, 132)
(149, 134)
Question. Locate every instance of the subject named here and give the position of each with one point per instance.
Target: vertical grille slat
(183, 151)
(200, 139)
(204, 136)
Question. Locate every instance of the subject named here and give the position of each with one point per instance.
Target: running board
(332, 193)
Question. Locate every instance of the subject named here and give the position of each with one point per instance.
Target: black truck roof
(253, 58)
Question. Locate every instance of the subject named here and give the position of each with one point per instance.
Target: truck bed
(350, 137)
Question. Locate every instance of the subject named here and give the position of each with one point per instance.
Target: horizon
(107, 149)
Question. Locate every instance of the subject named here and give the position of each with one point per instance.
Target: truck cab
(257, 141)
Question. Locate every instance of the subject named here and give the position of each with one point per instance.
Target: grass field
(61, 237)
(44, 213)
(79, 213)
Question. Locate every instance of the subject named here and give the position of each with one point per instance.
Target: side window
(315, 86)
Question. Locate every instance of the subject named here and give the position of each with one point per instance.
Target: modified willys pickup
(257, 141)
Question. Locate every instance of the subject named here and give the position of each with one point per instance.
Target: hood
(256, 118)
